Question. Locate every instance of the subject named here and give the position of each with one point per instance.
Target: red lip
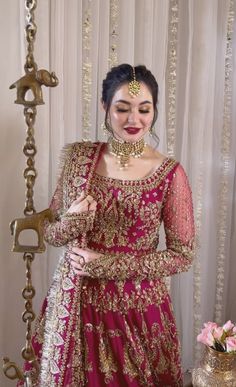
(132, 130)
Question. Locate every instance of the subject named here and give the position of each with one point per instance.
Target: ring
(81, 261)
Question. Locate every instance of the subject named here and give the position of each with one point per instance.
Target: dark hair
(122, 74)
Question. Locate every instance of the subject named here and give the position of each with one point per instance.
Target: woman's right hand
(83, 204)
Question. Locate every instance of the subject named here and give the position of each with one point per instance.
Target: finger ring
(81, 261)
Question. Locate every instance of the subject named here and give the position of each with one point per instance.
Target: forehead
(123, 94)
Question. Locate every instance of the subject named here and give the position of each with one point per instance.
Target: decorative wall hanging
(29, 94)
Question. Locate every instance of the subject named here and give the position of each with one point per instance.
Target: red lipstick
(132, 130)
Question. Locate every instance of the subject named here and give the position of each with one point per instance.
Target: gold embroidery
(129, 368)
(147, 352)
(133, 212)
(123, 300)
(115, 222)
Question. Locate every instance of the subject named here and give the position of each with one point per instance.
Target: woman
(108, 320)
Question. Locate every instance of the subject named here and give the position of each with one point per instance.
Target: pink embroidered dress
(115, 327)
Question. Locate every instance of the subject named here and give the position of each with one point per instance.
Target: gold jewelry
(105, 127)
(151, 130)
(123, 150)
(134, 86)
(81, 261)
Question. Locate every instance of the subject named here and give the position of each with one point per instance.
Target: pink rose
(206, 337)
(230, 344)
(228, 326)
(218, 333)
(210, 325)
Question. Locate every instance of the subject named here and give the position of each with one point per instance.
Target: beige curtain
(190, 47)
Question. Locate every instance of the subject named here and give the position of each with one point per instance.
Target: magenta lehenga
(115, 327)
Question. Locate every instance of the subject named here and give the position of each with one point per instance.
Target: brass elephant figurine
(31, 222)
(33, 81)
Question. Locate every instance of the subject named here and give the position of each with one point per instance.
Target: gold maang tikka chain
(123, 150)
(134, 86)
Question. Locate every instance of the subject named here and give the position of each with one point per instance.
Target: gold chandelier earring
(151, 131)
(107, 129)
(153, 135)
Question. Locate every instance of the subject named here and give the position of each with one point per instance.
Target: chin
(129, 137)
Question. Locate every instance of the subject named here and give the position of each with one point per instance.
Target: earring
(103, 128)
(153, 135)
(106, 128)
(151, 131)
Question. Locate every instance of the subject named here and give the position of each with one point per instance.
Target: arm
(179, 229)
(67, 225)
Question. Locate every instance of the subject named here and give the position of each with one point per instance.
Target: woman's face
(131, 117)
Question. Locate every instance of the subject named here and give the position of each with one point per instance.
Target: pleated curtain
(190, 46)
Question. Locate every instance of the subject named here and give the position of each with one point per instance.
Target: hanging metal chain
(30, 175)
(30, 151)
(31, 81)
(28, 316)
(30, 32)
(30, 112)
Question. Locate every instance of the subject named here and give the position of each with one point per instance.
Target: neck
(124, 150)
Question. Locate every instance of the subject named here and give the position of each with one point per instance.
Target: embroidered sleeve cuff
(69, 227)
(155, 265)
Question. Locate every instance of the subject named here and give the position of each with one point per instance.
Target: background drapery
(189, 46)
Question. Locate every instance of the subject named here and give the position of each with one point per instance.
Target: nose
(132, 118)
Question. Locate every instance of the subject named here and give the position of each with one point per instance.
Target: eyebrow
(128, 103)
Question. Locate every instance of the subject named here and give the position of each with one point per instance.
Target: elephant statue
(33, 81)
(31, 222)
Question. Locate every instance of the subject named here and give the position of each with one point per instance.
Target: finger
(89, 198)
(76, 265)
(77, 250)
(81, 197)
(83, 206)
(93, 206)
(77, 269)
(74, 258)
(81, 273)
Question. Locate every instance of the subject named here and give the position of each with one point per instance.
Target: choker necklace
(123, 150)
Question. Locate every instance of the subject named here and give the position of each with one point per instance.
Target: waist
(117, 295)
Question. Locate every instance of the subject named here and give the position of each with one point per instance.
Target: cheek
(147, 121)
(117, 118)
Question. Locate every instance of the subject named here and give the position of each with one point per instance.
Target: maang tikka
(134, 86)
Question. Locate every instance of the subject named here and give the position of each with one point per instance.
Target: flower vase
(216, 369)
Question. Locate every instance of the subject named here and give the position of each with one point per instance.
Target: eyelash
(125, 111)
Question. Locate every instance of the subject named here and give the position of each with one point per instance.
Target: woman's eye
(122, 110)
(143, 111)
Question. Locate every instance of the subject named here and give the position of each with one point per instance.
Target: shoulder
(177, 178)
(82, 147)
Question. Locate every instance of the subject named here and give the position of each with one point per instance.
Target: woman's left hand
(79, 257)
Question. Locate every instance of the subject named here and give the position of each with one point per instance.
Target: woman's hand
(78, 258)
(83, 204)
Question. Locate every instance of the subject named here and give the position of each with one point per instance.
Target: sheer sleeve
(177, 214)
(66, 226)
